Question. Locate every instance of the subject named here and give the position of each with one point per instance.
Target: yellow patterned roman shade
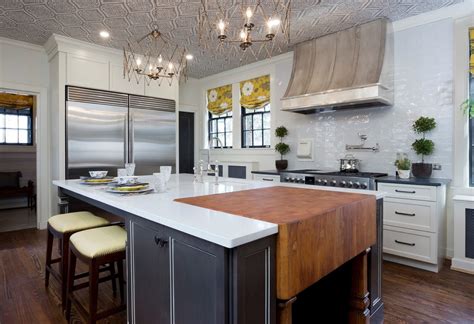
(219, 100)
(471, 43)
(255, 93)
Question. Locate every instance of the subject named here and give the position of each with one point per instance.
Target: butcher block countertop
(318, 230)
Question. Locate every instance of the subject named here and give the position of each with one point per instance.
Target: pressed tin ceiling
(34, 21)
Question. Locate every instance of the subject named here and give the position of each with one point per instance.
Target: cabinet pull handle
(404, 243)
(267, 179)
(160, 242)
(404, 214)
(405, 191)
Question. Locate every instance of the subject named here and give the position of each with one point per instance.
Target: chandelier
(153, 57)
(256, 28)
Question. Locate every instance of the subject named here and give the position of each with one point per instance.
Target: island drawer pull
(404, 243)
(405, 191)
(160, 242)
(267, 179)
(404, 214)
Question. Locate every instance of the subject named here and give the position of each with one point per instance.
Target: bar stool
(96, 247)
(62, 226)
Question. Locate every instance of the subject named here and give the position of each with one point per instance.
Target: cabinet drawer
(396, 190)
(266, 177)
(413, 214)
(411, 244)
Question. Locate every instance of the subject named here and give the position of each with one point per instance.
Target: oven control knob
(333, 183)
(320, 182)
(292, 180)
(287, 179)
(342, 184)
(302, 180)
(363, 185)
(349, 184)
(325, 182)
(357, 185)
(298, 180)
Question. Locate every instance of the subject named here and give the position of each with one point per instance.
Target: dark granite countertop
(270, 172)
(414, 181)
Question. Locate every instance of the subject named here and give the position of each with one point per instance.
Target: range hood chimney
(349, 69)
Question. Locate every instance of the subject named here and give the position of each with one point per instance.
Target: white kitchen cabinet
(266, 177)
(87, 72)
(414, 224)
(120, 84)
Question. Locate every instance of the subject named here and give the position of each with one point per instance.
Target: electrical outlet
(437, 166)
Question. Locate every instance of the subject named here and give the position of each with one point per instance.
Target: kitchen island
(192, 263)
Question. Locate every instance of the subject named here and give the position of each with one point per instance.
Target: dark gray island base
(173, 277)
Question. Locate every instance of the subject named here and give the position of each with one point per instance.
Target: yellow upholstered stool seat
(100, 241)
(73, 222)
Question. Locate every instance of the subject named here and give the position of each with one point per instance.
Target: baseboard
(412, 263)
(462, 265)
(42, 225)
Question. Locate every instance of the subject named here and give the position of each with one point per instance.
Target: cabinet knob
(160, 242)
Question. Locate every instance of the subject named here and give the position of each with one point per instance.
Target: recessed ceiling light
(104, 34)
(189, 56)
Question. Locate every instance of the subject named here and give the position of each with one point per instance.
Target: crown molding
(459, 10)
(58, 43)
(14, 42)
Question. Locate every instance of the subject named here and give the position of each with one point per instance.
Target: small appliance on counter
(349, 164)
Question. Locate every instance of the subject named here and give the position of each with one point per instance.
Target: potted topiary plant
(403, 167)
(468, 107)
(423, 146)
(281, 148)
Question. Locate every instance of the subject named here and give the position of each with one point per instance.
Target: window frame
(244, 112)
(210, 119)
(471, 133)
(30, 129)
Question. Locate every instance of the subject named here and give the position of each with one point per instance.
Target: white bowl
(126, 180)
(98, 174)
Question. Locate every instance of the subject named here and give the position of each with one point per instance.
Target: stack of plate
(96, 181)
(129, 188)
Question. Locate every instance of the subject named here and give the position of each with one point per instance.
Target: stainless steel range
(353, 180)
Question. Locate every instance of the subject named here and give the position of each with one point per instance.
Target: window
(16, 126)
(256, 127)
(220, 126)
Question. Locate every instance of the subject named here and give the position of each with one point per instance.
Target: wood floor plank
(410, 295)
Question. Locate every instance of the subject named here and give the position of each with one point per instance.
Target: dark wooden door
(186, 142)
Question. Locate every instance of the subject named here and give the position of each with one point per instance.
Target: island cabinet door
(149, 268)
(175, 278)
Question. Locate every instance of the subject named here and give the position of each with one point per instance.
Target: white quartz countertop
(217, 227)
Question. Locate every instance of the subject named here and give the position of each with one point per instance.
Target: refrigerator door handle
(131, 139)
(125, 143)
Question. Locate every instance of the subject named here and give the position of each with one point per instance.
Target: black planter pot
(422, 170)
(281, 164)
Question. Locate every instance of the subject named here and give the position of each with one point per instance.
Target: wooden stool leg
(64, 269)
(114, 282)
(121, 281)
(93, 290)
(359, 301)
(49, 251)
(285, 311)
(70, 284)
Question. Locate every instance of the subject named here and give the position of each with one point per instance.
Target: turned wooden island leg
(359, 301)
(284, 311)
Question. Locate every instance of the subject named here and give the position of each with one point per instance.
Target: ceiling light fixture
(104, 34)
(261, 22)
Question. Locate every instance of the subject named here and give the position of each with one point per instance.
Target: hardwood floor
(410, 295)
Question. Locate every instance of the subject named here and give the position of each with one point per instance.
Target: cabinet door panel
(150, 273)
(195, 287)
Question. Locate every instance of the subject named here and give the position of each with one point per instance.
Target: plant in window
(468, 107)
(423, 146)
(281, 148)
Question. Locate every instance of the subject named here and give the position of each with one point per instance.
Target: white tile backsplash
(423, 87)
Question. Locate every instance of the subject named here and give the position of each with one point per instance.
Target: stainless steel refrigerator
(105, 130)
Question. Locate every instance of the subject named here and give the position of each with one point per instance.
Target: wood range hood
(349, 69)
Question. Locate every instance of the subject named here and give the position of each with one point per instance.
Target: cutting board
(318, 230)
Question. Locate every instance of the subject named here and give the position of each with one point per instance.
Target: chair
(62, 226)
(96, 247)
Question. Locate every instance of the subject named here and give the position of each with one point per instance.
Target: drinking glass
(130, 167)
(166, 170)
(159, 182)
(121, 172)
